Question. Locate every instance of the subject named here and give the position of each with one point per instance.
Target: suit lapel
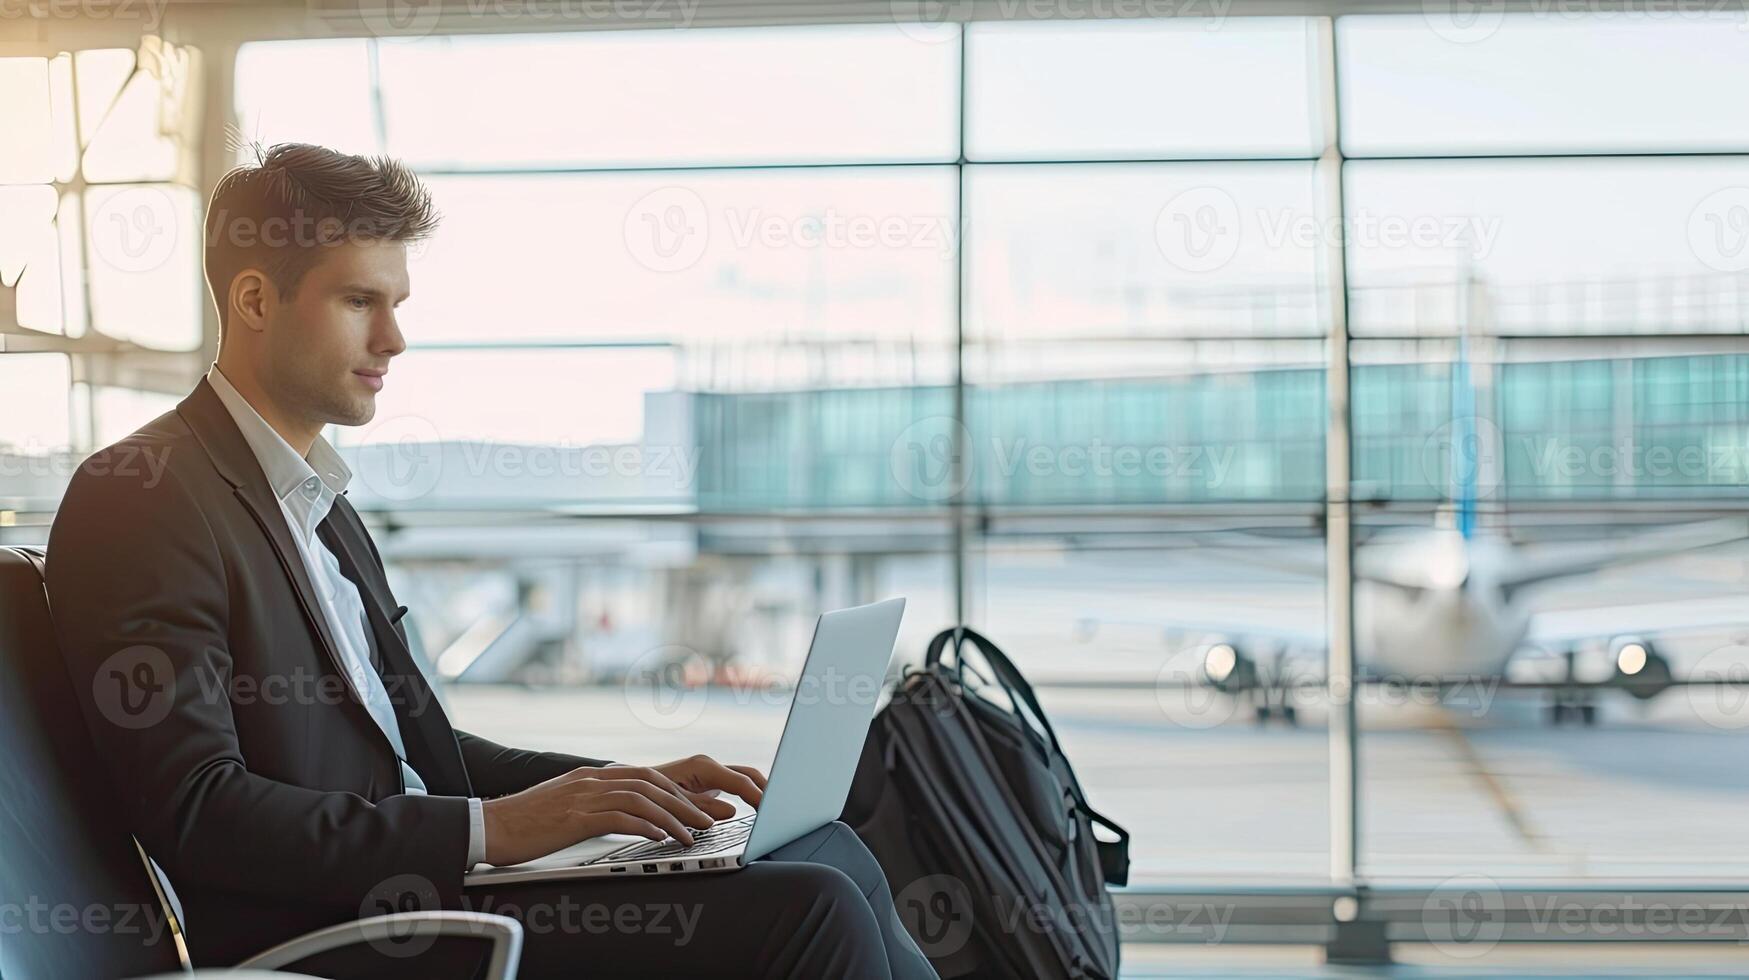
(218, 434)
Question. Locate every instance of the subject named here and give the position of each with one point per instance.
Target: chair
(78, 897)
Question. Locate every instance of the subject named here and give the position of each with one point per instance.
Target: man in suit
(279, 753)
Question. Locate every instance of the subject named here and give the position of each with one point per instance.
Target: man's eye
(359, 302)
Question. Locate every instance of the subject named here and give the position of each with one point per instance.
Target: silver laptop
(809, 780)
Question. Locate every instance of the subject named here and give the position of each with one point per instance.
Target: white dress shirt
(306, 488)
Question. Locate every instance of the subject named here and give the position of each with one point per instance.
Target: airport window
(1509, 84)
(1119, 90)
(1000, 319)
(1558, 245)
(706, 98)
(100, 232)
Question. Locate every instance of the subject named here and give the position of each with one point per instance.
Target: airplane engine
(1228, 670)
(1640, 669)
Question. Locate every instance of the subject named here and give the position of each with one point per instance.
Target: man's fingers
(684, 809)
(753, 774)
(708, 802)
(674, 799)
(654, 776)
(619, 822)
(737, 783)
(639, 805)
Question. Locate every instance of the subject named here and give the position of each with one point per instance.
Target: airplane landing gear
(1572, 707)
(1573, 701)
(1265, 711)
(1276, 700)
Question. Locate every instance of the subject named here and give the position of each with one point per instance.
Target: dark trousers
(817, 907)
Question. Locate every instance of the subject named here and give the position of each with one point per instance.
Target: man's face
(329, 348)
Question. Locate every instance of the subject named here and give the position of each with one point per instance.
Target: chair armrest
(504, 932)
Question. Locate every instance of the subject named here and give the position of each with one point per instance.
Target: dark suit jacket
(210, 682)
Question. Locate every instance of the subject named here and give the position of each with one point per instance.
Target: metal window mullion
(1344, 783)
(961, 433)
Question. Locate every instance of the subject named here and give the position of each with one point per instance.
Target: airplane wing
(1533, 564)
(1559, 628)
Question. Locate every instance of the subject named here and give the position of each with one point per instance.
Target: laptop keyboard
(719, 836)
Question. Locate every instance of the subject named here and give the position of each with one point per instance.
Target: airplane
(1453, 605)
(1434, 607)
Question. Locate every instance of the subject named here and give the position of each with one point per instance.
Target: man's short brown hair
(277, 215)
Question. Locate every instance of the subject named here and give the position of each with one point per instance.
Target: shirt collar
(285, 470)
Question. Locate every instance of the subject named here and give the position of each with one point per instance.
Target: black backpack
(981, 827)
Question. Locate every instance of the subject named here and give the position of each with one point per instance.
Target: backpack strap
(1114, 856)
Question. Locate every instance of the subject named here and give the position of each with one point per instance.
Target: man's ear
(249, 299)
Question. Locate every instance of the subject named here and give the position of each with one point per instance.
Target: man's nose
(391, 342)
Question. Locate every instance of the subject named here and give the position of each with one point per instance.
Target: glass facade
(1031, 322)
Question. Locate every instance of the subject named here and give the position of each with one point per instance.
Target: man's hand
(703, 776)
(655, 802)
